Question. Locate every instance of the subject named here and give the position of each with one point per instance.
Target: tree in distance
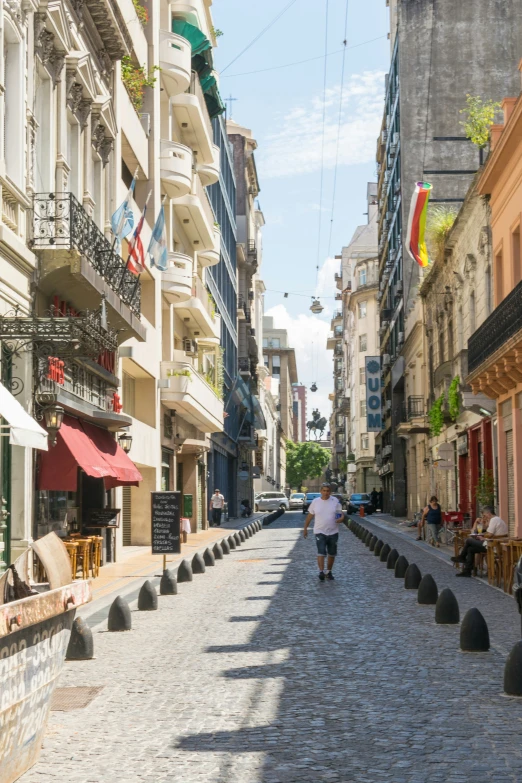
(304, 461)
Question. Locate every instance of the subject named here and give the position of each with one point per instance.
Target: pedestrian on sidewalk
(477, 544)
(374, 497)
(328, 514)
(432, 515)
(380, 500)
(217, 501)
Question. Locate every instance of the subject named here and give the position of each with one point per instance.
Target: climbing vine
(141, 12)
(480, 117)
(436, 416)
(454, 398)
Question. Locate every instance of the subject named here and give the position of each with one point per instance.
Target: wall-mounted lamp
(53, 416)
(125, 441)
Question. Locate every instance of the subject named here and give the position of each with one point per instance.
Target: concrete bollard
(237, 539)
(392, 559)
(412, 577)
(385, 551)
(184, 572)
(217, 551)
(119, 615)
(232, 542)
(247, 531)
(474, 633)
(242, 536)
(208, 558)
(447, 608)
(373, 541)
(168, 583)
(428, 592)
(513, 671)
(378, 548)
(81, 644)
(401, 566)
(198, 564)
(225, 546)
(147, 598)
(366, 537)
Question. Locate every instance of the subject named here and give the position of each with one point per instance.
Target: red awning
(94, 450)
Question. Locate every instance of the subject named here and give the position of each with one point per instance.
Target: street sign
(372, 365)
(165, 518)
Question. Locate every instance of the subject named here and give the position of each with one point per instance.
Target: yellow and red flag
(416, 241)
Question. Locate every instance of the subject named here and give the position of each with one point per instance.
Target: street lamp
(53, 415)
(125, 441)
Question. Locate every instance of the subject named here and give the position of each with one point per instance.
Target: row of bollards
(474, 632)
(81, 645)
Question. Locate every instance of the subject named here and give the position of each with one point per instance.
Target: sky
(286, 108)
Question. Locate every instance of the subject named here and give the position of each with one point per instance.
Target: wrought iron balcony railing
(413, 408)
(61, 223)
(504, 322)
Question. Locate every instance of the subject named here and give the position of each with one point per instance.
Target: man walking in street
(328, 514)
(477, 544)
(217, 501)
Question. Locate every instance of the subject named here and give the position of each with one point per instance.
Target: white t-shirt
(497, 527)
(217, 501)
(324, 512)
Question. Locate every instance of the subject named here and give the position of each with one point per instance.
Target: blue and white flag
(122, 221)
(158, 243)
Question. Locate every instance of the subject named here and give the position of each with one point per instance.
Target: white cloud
(307, 335)
(295, 147)
(325, 279)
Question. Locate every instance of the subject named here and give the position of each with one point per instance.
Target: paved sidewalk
(258, 673)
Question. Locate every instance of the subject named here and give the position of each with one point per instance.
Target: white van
(269, 501)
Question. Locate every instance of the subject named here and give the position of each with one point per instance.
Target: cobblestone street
(256, 673)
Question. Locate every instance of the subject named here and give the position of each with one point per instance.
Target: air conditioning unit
(401, 338)
(190, 346)
(396, 137)
(388, 405)
(386, 360)
(389, 215)
(399, 287)
(397, 188)
(384, 326)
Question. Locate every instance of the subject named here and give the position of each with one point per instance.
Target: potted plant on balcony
(136, 78)
(141, 12)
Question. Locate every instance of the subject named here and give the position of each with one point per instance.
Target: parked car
(296, 500)
(270, 501)
(358, 500)
(308, 499)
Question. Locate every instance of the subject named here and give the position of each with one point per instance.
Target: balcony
(175, 63)
(175, 168)
(196, 218)
(176, 281)
(186, 391)
(443, 372)
(79, 263)
(192, 117)
(209, 172)
(211, 256)
(332, 340)
(199, 314)
(413, 418)
(344, 406)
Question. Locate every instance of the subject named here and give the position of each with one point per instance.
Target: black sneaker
(322, 577)
(464, 573)
(330, 576)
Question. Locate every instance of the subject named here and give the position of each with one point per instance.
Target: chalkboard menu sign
(165, 517)
(103, 517)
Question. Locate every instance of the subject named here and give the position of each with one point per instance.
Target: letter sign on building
(372, 366)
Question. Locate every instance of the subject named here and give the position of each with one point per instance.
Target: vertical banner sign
(165, 516)
(373, 393)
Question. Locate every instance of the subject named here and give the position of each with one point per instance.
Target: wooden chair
(494, 561)
(511, 552)
(72, 551)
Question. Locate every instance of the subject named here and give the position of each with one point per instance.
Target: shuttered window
(126, 516)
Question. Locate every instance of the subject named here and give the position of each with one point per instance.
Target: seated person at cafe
(477, 544)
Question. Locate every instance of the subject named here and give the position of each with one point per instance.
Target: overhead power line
(322, 143)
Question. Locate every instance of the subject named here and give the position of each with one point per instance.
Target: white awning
(23, 429)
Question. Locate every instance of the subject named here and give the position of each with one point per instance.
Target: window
(128, 394)
(265, 342)
(489, 291)
(365, 442)
(362, 309)
(276, 366)
(362, 342)
(460, 327)
(515, 249)
(362, 375)
(265, 359)
(450, 339)
(499, 283)
(362, 275)
(275, 342)
(472, 315)
(441, 345)
(363, 407)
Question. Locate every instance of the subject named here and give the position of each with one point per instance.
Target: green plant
(135, 79)
(179, 374)
(216, 225)
(480, 118)
(141, 12)
(351, 457)
(454, 398)
(436, 416)
(485, 489)
(216, 32)
(440, 223)
(305, 461)
(343, 465)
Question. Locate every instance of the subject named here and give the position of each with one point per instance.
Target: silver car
(269, 501)
(297, 500)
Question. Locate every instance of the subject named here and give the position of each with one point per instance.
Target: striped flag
(416, 241)
(158, 243)
(136, 259)
(122, 221)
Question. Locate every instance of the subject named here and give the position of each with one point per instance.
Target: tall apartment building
(437, 58)
(107, 350)
(299, 395)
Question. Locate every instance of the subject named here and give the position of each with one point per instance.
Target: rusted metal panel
(31, 660)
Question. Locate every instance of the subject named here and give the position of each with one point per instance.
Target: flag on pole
(136, 259)
(158, 243)
(416, 241)
(122, 221)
